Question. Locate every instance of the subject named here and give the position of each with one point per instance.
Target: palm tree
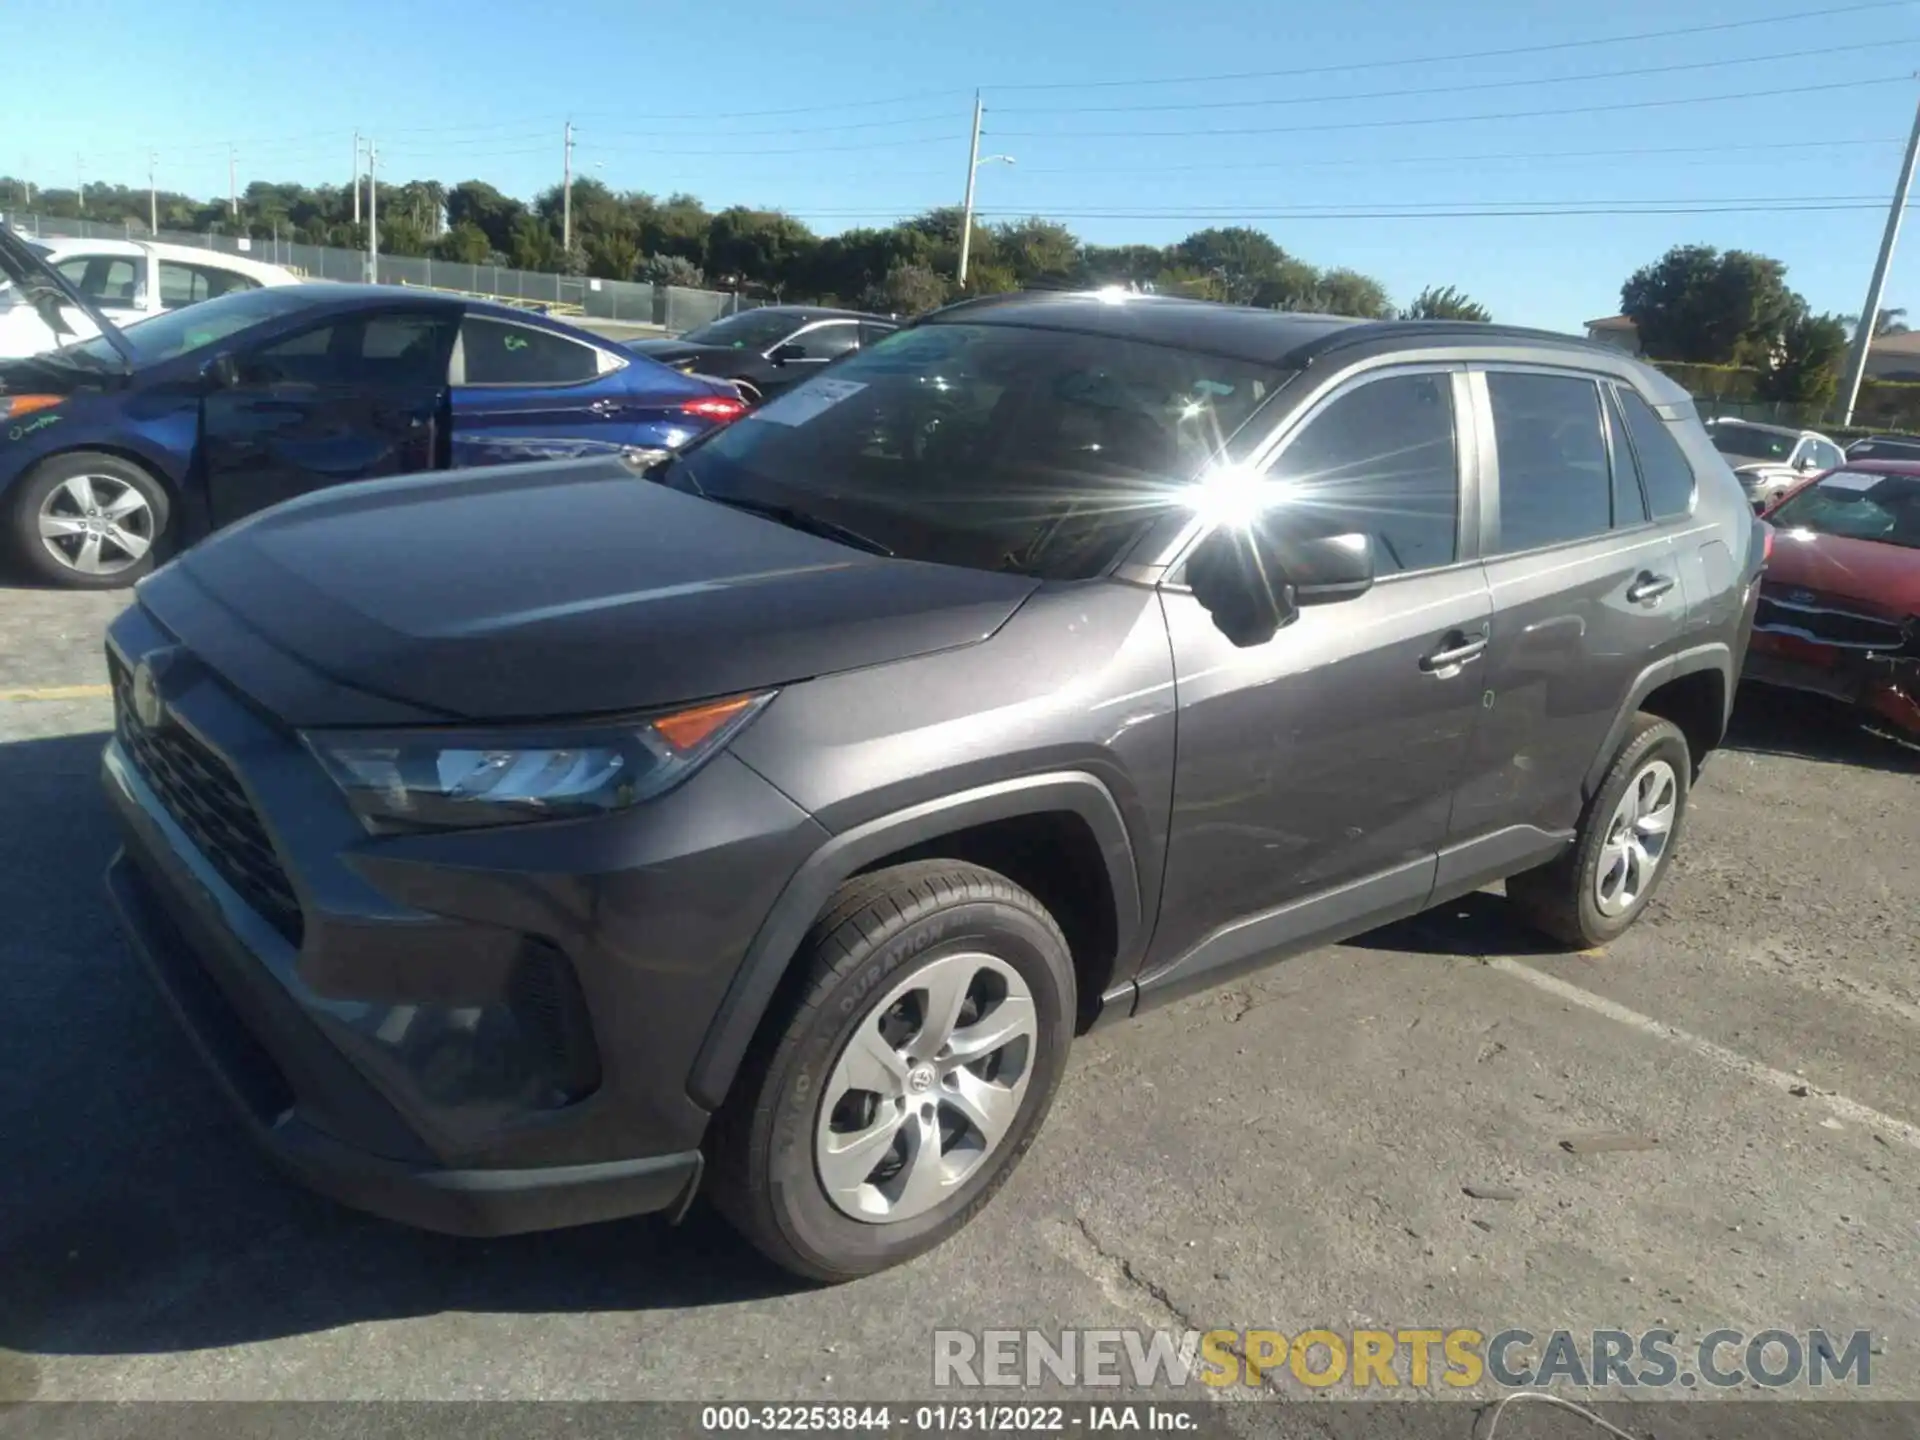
(1887, 322)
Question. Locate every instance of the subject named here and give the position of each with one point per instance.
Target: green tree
(1445, 303)
(1806, 366)
(1696, 304)
(1240, 257)
(760, 247)
(1190, 282)
(672, 270)
(1121, 264)
(466, 243)
(1036, 251)
(909, 290)
(612, 252)
(678, 226)
(476, 203)
(532, 246)
(1348, 292)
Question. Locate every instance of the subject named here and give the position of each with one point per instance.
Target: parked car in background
(561, 844)
(129, 281)
(769, 350)
(113, 446)
(1840, 610)
(1885, 447)
(1771, 459)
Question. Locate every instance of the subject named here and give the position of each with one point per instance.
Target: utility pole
(80, 174)
(233, 192)
(356, 177)
(566, 192)
(373, 212)
(1870, 317)
(973, 170)
(153, 196)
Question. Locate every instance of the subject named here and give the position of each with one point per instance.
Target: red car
(1840, 606)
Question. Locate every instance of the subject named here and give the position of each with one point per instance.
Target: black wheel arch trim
(806, 895)
(1715, 657)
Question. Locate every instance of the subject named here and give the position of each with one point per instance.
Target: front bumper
(1883, 688)
(477, 1032)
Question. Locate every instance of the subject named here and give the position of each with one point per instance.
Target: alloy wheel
(1638, 836)
(96, 524)
(926, 1089)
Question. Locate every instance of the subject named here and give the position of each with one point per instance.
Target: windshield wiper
(800, 520)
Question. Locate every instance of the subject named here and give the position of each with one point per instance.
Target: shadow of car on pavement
(135, 1216)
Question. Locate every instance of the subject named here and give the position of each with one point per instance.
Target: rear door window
(107, 280)
(1556, 484)
(499, 352)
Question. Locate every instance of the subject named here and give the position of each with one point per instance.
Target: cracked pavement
(1293, 1151)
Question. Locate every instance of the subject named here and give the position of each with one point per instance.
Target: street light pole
(966, 209)
(373, 212)
(153, 196)
(1870, 316)
(233, 190)
(356, 177)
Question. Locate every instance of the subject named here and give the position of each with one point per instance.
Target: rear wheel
(1624, 847)
(910, 1078)
(88, 520)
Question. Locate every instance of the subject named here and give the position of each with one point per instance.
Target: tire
(1597, 889)
(783, 1134)
(57, 532)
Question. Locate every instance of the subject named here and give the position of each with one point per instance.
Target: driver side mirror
(1254, 579)
(222, 371)
(790, 350)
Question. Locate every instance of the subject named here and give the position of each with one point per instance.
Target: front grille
(1823, 618)
(205, 799)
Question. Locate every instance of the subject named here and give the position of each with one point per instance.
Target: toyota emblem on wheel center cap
(920, 1079)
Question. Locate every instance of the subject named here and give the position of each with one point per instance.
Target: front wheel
(1624, 847)
(88, 520)
(910, 1077)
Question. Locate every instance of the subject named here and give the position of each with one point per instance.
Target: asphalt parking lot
(1291, 1153)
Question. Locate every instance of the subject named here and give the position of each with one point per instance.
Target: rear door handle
(1648, 587)
(1456, 649)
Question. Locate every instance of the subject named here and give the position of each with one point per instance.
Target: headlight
(399, 780)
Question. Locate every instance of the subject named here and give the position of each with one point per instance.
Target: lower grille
(1820, 617)
(205, 799)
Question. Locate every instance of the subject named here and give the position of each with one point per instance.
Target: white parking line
(1839, 1105)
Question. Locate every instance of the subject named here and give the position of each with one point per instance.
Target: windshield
(181, 332)
(1858, 505)
(991, 446)
(749, 330)
(1751, 442)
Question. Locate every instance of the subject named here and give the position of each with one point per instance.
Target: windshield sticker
(814, 398)
(1851, 480)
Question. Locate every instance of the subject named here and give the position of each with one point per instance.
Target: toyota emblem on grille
(1800, 597)
(148, 708)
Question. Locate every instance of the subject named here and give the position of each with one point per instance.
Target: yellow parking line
(59, 692)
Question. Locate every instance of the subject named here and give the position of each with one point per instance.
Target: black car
(769, 350)
(770, 826)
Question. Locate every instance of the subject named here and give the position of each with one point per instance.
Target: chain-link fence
(669, 306)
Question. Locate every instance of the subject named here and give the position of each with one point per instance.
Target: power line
(1478, 85)
(1531, 156)
(1404, 121)
(1552, 47)
(1770, 208)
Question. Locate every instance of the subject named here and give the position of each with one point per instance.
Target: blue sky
(876, 96)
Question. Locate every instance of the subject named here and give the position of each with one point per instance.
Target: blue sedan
(118, 447)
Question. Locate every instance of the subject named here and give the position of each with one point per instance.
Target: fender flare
(1717, 656)
(807, 892)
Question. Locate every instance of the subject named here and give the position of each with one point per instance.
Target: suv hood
(541, 591)
(46, 290)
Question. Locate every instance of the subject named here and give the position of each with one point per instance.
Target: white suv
(131, 281)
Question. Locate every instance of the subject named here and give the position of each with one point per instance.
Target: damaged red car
(1839, 609)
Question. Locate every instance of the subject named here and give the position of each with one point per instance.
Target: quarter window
(1663, 465)
(1380, 461)
(501, 353)
(1555, 483)
(1825, 456)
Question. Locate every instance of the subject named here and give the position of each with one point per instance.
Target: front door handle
(1456, 649)
(1648, 586)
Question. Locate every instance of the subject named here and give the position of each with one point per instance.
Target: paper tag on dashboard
(813, 398)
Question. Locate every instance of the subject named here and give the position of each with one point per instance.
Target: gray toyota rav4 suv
(534, 846)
